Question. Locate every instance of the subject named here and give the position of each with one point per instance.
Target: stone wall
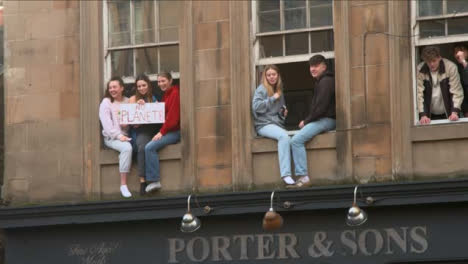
(43, 154)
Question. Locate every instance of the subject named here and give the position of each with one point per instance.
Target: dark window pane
(321, 16)
(268, 5)
(122, 63)
(458, 26)
(119, 23)
(321, 41)
(313, 3)
(295, 18)
(294, 4)
(169, 58)
(269, 21)
(146, 61)
(144, 21)
(297, 43)
(457, 6)
(430, 7)
(431, 28)
(271, 46)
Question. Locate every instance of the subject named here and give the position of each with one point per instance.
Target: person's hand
(425, 120)
(124, 138)
(460, 56)
(453, 116)
(276, 96)
(285, 113)
(301, 124)
(158, 136)
(141, 102)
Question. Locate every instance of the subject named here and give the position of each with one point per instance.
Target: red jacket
(171, 99)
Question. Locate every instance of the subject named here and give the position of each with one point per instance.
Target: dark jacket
(464, 82)
(452, 92)
(323, 99)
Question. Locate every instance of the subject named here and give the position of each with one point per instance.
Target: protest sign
(148, 113)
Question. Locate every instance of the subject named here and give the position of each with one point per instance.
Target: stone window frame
(256, 35)
(157, 44)
(92, 79)
(419, 42)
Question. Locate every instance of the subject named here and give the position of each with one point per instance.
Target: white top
(437, 102)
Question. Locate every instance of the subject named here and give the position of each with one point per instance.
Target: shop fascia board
(317, 198)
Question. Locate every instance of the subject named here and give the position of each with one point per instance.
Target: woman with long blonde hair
(269, 111)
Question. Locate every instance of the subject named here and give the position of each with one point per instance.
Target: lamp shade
(356, 216)
(190, 223)
(272, 220)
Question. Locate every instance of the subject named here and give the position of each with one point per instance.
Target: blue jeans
(284, 149)
(305, 134)
(152, 157)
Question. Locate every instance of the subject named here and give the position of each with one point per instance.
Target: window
(288, 33)
(440, 23)
(141, 36)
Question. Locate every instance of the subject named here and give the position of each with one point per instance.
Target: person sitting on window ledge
(321, 117)
(461, 55)
(116, 135)
(269, 111)
(439, 92)
(168, 134)
(143, 133)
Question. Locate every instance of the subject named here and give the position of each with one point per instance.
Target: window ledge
(442, 131)
(170, 152)
(323, 141)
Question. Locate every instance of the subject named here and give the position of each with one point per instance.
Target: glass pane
(122, 63)
(169, 58)
(431, 28)
(146, 61)
(458, 26)
(271, 46)
(295, 18)
(144, 21)
(288, 4)
(297, 43)
(269, 21)
(169, 17)
(457, 6)
(268, 5)
(119, 23)
(321, 41)
(430, 7)
(316, 3)
(321, 13)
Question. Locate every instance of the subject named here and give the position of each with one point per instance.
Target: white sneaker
(125, 192)
(153, 187)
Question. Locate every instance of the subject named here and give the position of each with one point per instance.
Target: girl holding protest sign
(169, 133)
(116, 135)
(143, 133)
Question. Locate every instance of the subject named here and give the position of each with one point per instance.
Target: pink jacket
(108, 114)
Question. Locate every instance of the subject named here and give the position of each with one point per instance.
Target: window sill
(323, 141)
(440, 130)
(172, 152)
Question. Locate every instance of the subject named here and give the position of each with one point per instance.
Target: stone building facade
(55, 74)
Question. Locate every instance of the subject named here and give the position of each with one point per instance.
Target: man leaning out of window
(439, 92)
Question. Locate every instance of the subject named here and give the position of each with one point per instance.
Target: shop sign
(289, 246)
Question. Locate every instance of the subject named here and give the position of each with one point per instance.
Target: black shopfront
(423, 222)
